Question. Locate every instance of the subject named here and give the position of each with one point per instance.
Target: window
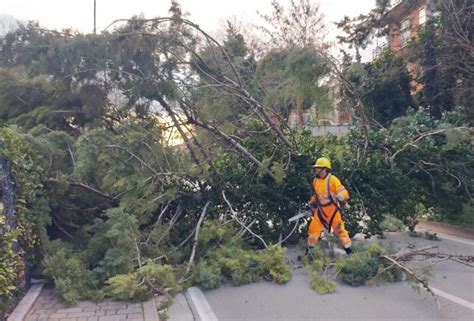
(405, 31)
(422, 15)
(395, 2)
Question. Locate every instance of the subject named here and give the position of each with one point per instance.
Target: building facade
(404, 20)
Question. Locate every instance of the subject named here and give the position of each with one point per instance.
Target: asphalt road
(295, 300)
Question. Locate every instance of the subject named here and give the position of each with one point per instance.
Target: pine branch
(86, 187)
(398, 256)
(195, 242)
(405, 268)
(234, 216)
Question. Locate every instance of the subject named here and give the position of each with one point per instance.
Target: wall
(338, 130)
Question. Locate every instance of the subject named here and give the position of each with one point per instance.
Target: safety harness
(319, 210)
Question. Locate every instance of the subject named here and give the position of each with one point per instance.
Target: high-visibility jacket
(336, 189)
(327, 191)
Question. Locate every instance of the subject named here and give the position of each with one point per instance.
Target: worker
(326, 206)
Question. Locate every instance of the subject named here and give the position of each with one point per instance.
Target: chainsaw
(302, 214)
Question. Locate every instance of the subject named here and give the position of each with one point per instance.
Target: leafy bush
(127, 287)
(120, 235)
(24, 215)
(273, 265)
(467, 215)
(207, 276)
(315, 264)
(367, 265)
(10, 264)
(391, 224)
(124, 199)
(240, 266)
(141, 284)
(321, 284)
(73, 281)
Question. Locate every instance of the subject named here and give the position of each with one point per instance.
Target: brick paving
(49, 306)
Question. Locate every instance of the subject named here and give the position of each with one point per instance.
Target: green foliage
(72, 280)
(96, 169)
(272, 262)
(20, 94)
(442, 76)
(316, 265)
(384, 86)
(288, 77)
(29, 210)
(367, 266)
(445, 59)
(364, 266)
(165, 303)
(295, 25)
(467, 216)
(360, 31)
(213, 234)
(110, 259)
(226, 259)
(321, 284)
(140, 285)
(11, 264)
(120, 238)
(127, 287)
(357, 270)
(241, 266)
(279, 171)
(391, 224)
(207, 276)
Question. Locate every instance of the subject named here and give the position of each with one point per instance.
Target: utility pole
(95, 16)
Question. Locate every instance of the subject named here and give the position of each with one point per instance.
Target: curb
(150, 311)
(201, 309)
(452, 238)
(24, 306)
(446, 229)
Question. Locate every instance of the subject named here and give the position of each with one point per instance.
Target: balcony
(394, 3)
(377, 51)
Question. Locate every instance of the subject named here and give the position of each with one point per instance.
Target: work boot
(348, 250)
(307, 252)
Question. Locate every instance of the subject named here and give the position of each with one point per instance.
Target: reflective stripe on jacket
(320, 186)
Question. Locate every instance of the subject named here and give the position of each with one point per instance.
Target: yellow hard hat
(323, 162)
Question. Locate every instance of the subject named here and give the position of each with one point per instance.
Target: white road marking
(453, 298)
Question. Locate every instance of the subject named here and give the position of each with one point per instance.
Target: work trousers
(316, 228)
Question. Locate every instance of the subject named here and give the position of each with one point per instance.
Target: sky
(209, 14)
(78, 14)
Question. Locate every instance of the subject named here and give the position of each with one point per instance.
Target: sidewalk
(49, 307)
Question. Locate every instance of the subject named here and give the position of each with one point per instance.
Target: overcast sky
(78, 14)
(209, 14)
